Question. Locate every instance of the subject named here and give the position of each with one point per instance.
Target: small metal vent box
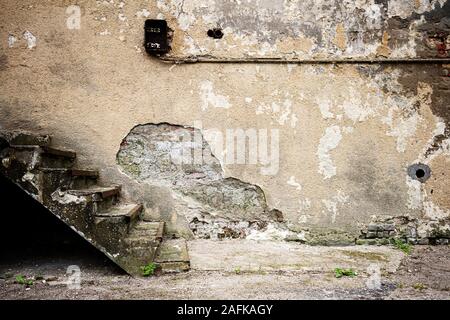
(156, 36)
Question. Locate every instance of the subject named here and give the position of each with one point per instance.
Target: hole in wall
(419, 171)
(215, 33)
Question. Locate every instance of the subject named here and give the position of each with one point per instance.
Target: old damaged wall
(299, 30)
(347, 132)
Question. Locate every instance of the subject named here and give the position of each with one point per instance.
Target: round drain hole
(215, 33)
(419, 171)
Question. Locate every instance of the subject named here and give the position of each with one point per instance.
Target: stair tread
(25, 138)
(95, 190)
(129, 210)
(59, 152)
(47, 150)
(146, 230)
(74, 172)
(174, 250)
(84, 172)
(114, 227)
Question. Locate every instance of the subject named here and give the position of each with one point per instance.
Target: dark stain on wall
(436, 30)
(435, 75)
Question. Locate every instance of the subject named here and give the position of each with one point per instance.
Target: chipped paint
(415, 196)
(11, 40)
(333, 203)
(297, 30)
(280, 109)
(144, 13)
(325, 106)
(122, 17)
(354, 127)
(340, 39)
(105, 33)
(432, 211)
(329, 141)
(30, 39)
(211, 99)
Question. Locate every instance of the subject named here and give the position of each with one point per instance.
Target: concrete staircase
(95, 212)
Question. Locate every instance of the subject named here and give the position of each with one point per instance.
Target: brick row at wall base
(387, 233)
(387, 241)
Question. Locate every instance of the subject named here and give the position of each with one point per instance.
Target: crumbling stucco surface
(307, 30)
(212, 206)
(347, 132)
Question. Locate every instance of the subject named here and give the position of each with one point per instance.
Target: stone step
(97, 193)
(113, 225)
(141, 246)
(83, 178)
(72, 194)
(27, 166)
(84, 173)
(58, 152)
(47, 150)
(103, 197)
(129, 213)
(172, 256)
(20, 138)
(65, 179)
(43, 157)
(74, 172)
(145, 234)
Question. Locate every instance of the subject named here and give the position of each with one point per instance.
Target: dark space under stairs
(95, 212)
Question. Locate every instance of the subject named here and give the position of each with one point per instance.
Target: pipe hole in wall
(419, 171)
(215, 33)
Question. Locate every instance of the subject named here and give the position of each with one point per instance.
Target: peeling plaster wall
(307, 30)
(347, 132)
(208, 204)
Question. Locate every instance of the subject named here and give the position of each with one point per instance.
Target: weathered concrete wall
(307, 30)
(347, 133)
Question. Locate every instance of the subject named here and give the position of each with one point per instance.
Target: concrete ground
(239, 270)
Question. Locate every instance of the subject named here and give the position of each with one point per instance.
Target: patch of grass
(339, 273)
(149, 269)
(419, 286)
(237, 270)
(402, 245)
(20, 279)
